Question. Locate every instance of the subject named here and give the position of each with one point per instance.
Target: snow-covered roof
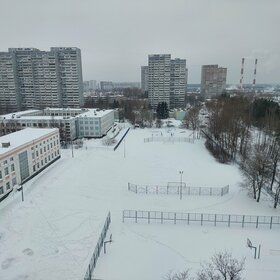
(19, 138)
(39, 117)
(94, 113)
(18, 114)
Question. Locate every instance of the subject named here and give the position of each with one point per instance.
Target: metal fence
(169, 139)
(178, 188)
(200, 218)
(98, 248)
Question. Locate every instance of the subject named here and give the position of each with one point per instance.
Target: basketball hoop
(249, 243)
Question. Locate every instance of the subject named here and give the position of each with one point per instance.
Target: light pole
(72, 148)
(124, 148)
(181, 174)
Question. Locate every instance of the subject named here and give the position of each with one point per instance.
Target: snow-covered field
(52, 234)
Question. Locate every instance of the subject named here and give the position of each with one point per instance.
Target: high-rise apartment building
(145, 78)
(34, 79)
(213, 80)
(9, 96)
(167, 80)
(90, 85)
(178, 81)
(159, 79)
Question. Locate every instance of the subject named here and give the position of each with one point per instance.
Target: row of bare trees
(249, 131)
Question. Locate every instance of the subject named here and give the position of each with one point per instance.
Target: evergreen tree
(162, 110)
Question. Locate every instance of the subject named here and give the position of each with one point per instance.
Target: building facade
(145, 78)
(159, 79)
(213, 80)
(178, 82)
(34, 79)
(167, 80)
(106, 86)
(24, 154)
(94, 123)
(72, 123)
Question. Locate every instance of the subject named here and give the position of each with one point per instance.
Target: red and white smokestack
(255, 72)
(242, 73)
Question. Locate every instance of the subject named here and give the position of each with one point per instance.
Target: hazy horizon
(116, 36)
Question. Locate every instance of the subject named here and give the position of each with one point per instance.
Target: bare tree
(256, 168)
(222, 266)
(178, 276)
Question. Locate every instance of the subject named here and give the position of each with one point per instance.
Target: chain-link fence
(98, 248)
(169, 139)
(178, 188)
(200, 218)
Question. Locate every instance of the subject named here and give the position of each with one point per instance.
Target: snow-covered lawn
(52, 234)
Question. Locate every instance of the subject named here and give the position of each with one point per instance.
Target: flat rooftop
(39, 114)
(95, 113)
(18, 114)
(19, 138)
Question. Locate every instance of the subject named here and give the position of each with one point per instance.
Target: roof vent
(6, 145)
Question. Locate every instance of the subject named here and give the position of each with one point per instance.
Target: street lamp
(181, 174)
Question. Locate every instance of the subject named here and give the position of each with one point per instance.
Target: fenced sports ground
(178, 188)
(200, 218)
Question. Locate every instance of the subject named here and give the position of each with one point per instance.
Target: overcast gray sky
(116, 36)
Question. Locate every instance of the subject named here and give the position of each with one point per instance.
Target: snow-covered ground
(52, 234)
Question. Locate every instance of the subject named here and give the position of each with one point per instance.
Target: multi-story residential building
(159, 79)
(106, 86)
(72, 122)
(9, 95)
(145, 78)
(25, 153)
(90, 85)
(178, 81)
(34, 79)
(167, 79)
(122, 85)
(213, 80)
(70, 71)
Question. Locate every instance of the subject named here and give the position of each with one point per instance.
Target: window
(38, 165)
(44, 149)
(12, 167)
(6, 170)
(41, 151)
(42, 163)
(33, 155)
(0, 174)
(8, 186)
(11, 159)
(1, 190)
(34, 168)
(23, 165)
(14, 181)
(49, 157)
(37, 153)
